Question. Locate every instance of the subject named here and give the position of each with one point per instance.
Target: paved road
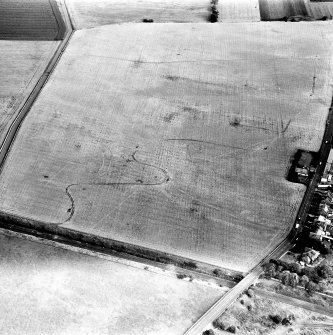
(220, 306)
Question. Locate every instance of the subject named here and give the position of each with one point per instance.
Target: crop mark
(205, 142)
(138, 182)
(313, 85)
(178, 78)
(284, 129)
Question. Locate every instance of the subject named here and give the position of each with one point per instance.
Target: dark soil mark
(170, 117)
(235, 122)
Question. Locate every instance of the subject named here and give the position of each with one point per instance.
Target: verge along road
(221, 305)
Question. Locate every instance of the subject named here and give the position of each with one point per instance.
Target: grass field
(175, 137)
(47, 290)
(21, 65)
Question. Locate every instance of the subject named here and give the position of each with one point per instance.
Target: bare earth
(176, 137)
(21, 65)
(46, 290)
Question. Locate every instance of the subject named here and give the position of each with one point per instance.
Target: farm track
(31, 20)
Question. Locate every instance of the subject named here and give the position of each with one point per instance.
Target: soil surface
(176, 137)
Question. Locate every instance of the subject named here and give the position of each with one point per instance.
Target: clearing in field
(21, 65)
(175, 137)
(47, 290)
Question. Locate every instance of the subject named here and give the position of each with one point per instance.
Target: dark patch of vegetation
(208, 332)
(181, 276)
(238, 278)
(250, 293)
(219, 324)
(148, 20)
(231, 329)
(277, 319)
(214, 16)
(218, 272)
(189, 265)
(292, 274)
(172, 78)
(235, 122)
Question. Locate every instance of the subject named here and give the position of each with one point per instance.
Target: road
(220, 306)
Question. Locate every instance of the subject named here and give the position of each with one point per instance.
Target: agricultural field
(94, 13)
(175, 137)
(21, 65)
(278, 9)
(30, 20)
(47, 290)
(258, 315)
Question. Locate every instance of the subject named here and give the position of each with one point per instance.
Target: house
(317, 234)
(310, 255)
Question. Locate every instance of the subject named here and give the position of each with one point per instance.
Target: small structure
(304, 172)
(317, 234)
(310, 255)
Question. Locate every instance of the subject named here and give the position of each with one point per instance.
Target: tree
(250, 293)
(310, 287)
(293, 280)
(295, 267)
(285, 277)
(276, 318)
(286, 322)
(219, 324)
(304, 280)
(270, 270)
(231, 329)
(324, 271)
(208, 332)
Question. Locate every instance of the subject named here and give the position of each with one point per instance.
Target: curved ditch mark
(165, 179)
